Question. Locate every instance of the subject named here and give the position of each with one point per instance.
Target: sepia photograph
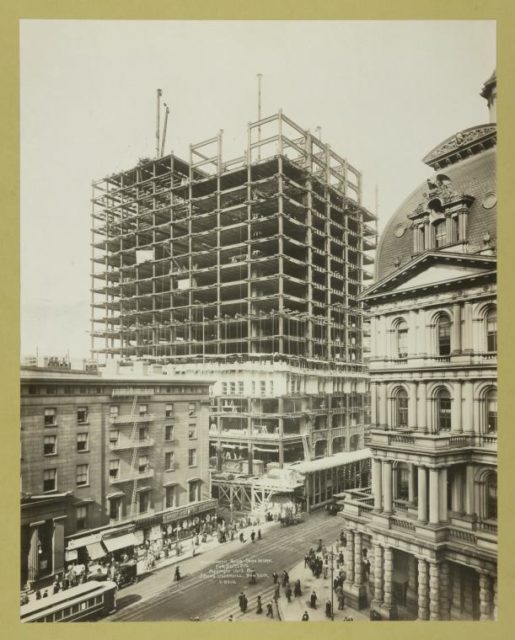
(258, 368)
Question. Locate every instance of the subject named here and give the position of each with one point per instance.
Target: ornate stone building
(422, 541)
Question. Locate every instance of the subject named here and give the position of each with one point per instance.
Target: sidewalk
(293, 611)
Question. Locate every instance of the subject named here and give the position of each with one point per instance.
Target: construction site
(247, 273)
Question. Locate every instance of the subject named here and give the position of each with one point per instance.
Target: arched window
(491, 496)
(443, 410)
(401, 408)
(491, 411)
(402, 339)
(440, 233)
(444, 336)
(491, 330)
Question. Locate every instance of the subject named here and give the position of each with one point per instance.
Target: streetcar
(92, 599)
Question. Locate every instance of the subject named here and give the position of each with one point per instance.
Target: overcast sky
(384, 94)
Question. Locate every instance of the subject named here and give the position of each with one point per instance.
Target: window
(82, 415)
(143, 464)
(51, 390)
(443, 410)
(82, 442)
(240, 388)
(192, 457)
(169, 460)
(253, 387)
(144, 501)
(114, 411)
(491, 411)
(402, 408)
(403, 483)
(262, 386)
(113, 437)
(32, 389)
(444, 336)
(115, 508)
(192, 431)
(114, 469)
(232, 386)
(491, 330)
(49, 480)
(143, 409)
(143, 433)
(192, 407)
(82, 475)
(194, 491)
(224, 388)
(440, 233)
(49, 445)
(169, 432)
(50, 417)
(272, 387)
(491, 496)
(81, 517)
(170, 497)
(402, 339)
(169, 410)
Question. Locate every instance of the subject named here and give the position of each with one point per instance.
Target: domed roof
(468, 161)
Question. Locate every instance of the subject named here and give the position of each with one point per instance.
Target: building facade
(250, 271)
(422, 541)
(101, 451)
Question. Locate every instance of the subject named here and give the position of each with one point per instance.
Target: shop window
(114, 469)
(192, 431)
(50, 417)
(169, 460)
(49, 480)
(170, 497)
(82, 415)
(169, 432)
(82, 478)
(192, 457)
(143, 464)
(491, 330)
(443, 410)
(49, 445)
(444, 336)
(82, 442)
(491, 411)
(81, 517)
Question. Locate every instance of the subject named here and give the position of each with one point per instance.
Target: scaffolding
(260, 259)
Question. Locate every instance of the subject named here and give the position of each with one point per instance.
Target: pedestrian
(269, 610)
(305, 617)
(297, 590)
(242, 538)
(336, 583)
(253, 536)
(285, 579)
(319, 548)
(229, 619)
(313, 600)
(253, 577)
(177, 574)
(288, 592)
(45, 594)
(328, 609)
(245, 603)
(307, 560)
(259, 534)
(241, 598)
(326, 569)
(341, 599)
(259, 608)
(277, 592)
(275, 577)
(38, 594)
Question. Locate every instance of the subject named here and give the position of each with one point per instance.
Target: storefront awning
(95, 550)
(77, 543)
(120, 542)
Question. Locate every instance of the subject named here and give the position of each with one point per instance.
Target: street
(212, 582)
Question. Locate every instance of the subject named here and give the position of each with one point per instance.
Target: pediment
(438, 273)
